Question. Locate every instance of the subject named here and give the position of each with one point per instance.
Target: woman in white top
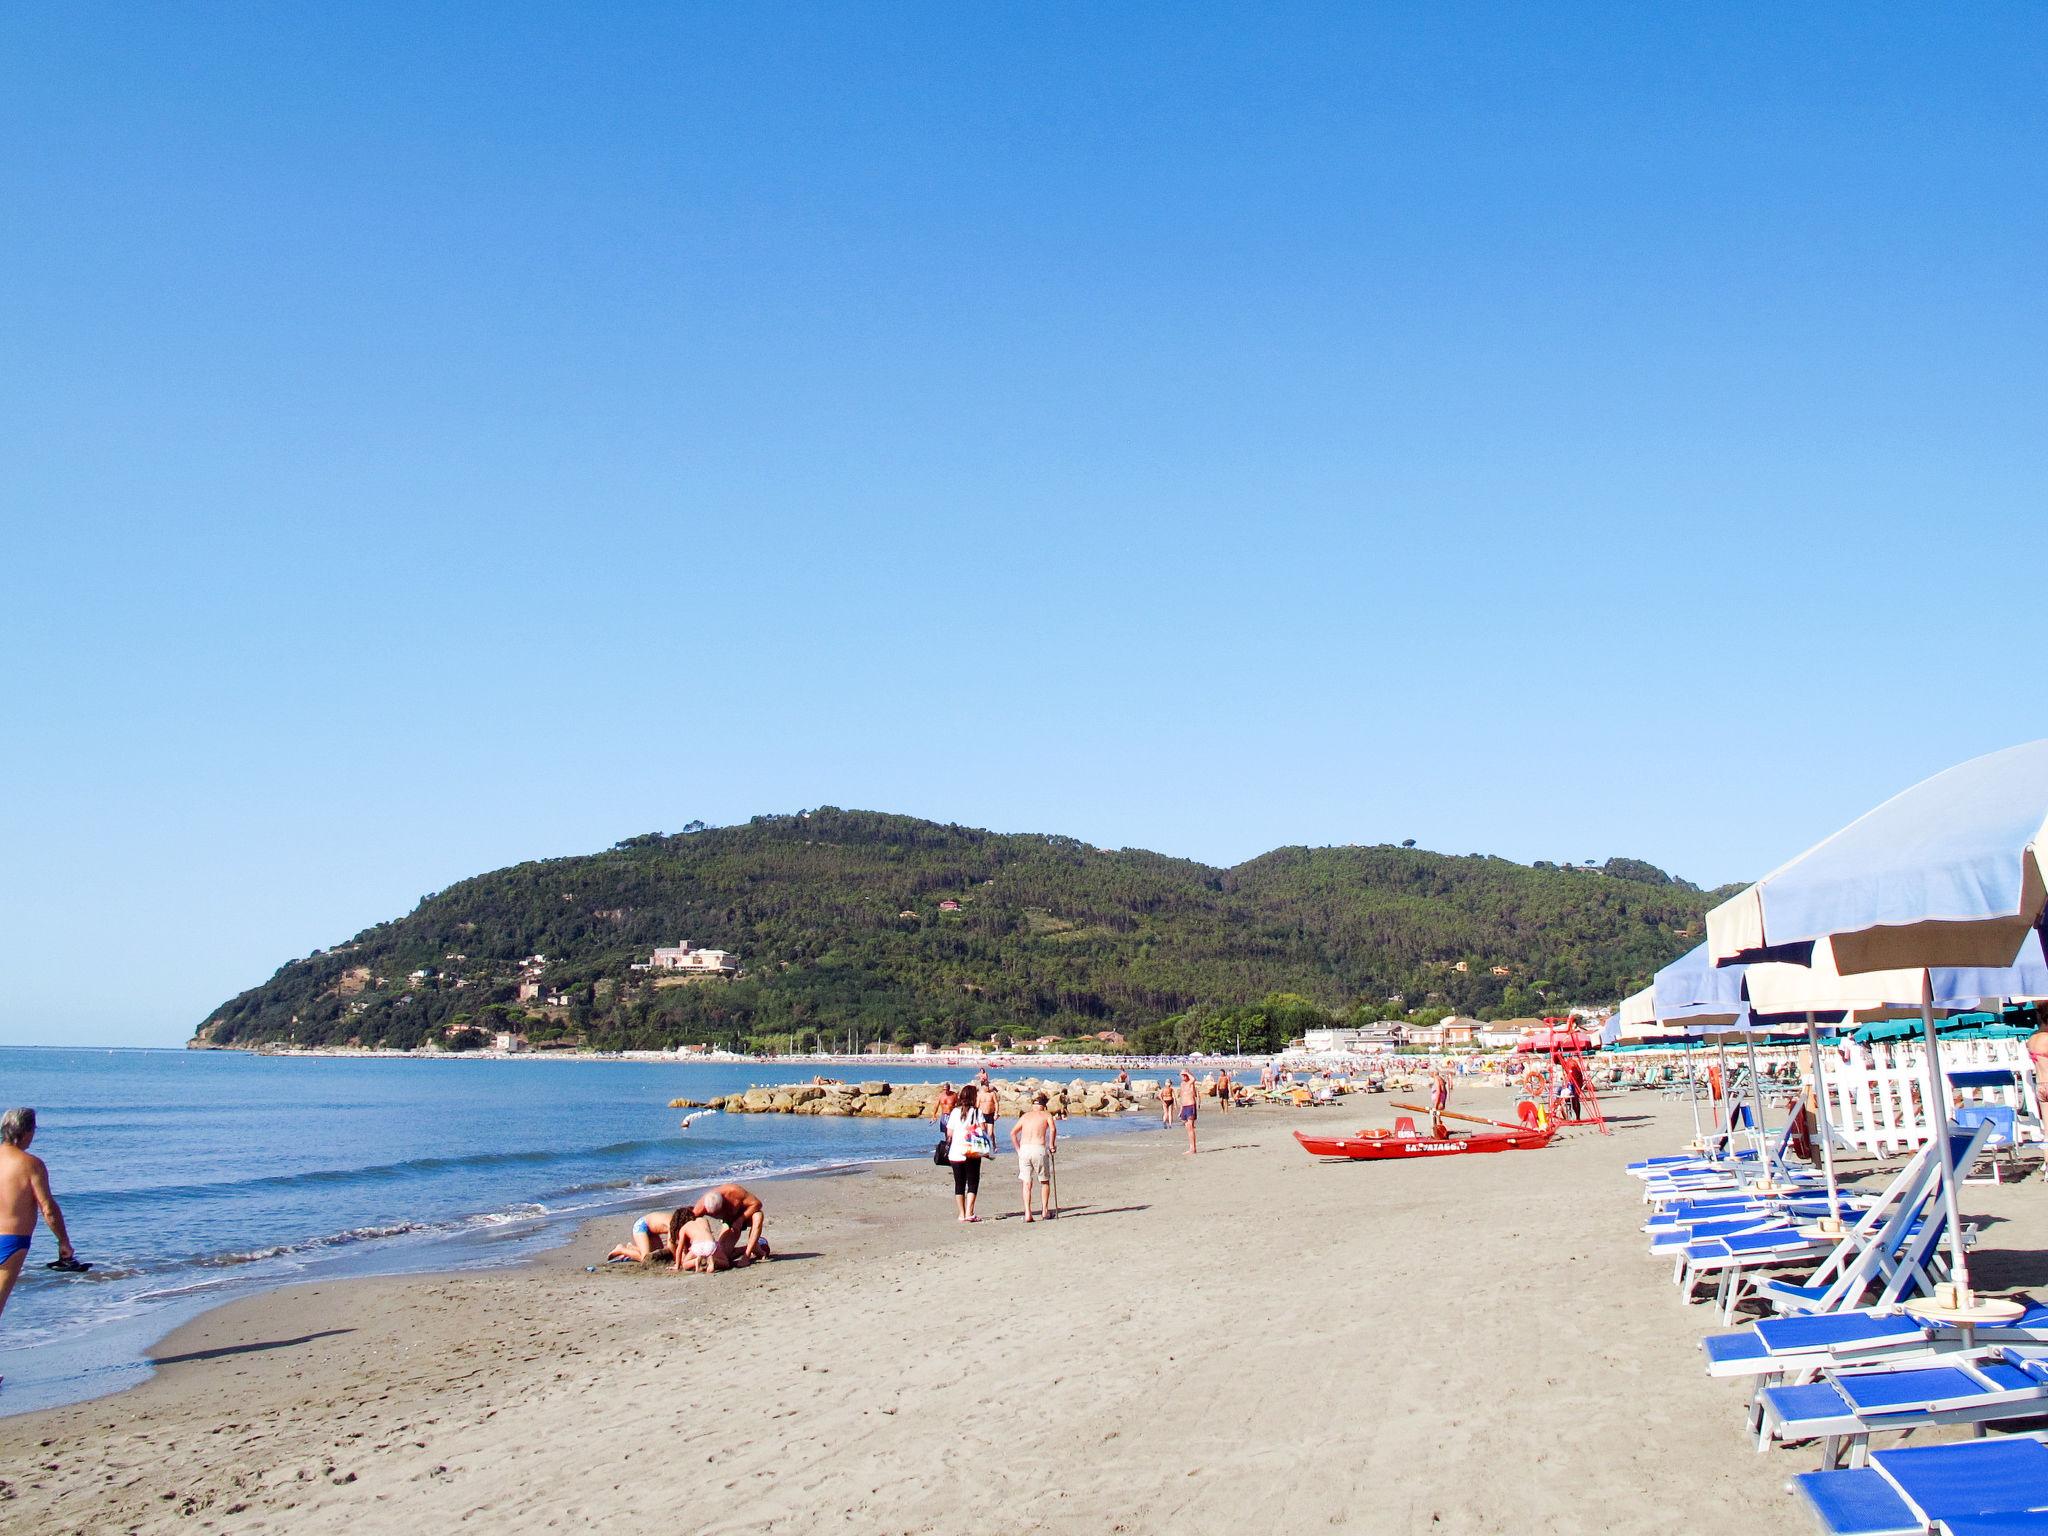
(963, 1152)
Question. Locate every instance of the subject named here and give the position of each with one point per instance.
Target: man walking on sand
(1165, 1104)
(1190, 1096)
(1036, 1136)
(24, 1191)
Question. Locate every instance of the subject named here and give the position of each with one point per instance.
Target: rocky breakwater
(918, 1101)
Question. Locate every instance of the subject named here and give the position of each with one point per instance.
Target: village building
(529, 991)
(688, 957)
(508, 1042)
(949, 905)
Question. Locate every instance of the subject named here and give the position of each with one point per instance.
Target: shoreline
(118, 1358)
(1245, 1338)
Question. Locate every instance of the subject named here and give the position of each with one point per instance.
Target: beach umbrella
(1819, 991)
(1947, 874)
(1698, 995)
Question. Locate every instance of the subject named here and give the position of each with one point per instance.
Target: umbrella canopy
(1780, 992)
(1949, 873)
(1964, 1026)
(1699, 994)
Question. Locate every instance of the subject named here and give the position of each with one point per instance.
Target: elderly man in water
(25, 1192)
(744, 1220)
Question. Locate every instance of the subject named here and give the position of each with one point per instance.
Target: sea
(190, 1178)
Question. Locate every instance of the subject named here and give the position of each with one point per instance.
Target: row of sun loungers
(1839, 1355)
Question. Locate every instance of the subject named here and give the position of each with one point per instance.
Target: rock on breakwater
(918, 1101)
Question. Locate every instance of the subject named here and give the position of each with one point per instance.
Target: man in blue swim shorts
(24, 1190)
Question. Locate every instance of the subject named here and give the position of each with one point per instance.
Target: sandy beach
(1243, 1340)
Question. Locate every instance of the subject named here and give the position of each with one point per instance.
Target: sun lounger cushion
(1733, 1349)
(1970, 1477)
(1811, 1410)
(1822, 1331)
(1858, 1503)
(1918, 1391)
(2031, 1523)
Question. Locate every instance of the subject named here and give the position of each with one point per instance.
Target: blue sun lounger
(1844, 1408)
(1799, 1346)
(1974, 1488)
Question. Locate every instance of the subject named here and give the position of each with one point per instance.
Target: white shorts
(1034, 1165)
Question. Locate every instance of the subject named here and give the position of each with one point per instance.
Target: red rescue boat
(1404, 1141)
(1392, 1148)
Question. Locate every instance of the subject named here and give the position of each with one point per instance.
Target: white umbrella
(1947, 874)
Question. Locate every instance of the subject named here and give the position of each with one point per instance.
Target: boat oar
(1452, 1114)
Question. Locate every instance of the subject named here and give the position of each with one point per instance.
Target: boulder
(876, 1090)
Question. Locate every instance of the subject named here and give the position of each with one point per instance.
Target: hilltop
(836, 917)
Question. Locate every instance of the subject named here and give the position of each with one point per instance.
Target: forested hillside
(836, 917)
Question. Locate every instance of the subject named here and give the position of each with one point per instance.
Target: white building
(687, 957)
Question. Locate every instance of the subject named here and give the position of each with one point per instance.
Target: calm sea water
(191, 1177)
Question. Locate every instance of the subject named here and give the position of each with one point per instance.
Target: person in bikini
(25, 1192)
(699, 1250)
(650, 1237)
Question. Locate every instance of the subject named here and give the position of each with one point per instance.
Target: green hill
(1051, 937)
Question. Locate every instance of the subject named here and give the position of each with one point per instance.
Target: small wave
(370, 1173)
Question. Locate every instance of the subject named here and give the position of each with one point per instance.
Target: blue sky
(439, 437)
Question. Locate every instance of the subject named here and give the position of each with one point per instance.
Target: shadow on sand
(247, 1349)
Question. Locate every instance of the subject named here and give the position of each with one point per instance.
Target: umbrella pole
(1820, 1110)
(1756, 1097)
(1937, 1128)
(1692, 1099)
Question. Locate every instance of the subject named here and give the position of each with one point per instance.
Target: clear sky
(438, 436)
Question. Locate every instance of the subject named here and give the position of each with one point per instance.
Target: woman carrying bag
(968, 1142)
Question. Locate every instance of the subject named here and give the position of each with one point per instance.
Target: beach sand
(1247, 1340)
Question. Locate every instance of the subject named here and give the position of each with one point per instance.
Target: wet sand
(1247, 1340)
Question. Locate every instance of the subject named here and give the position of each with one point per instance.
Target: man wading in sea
(24, 1190)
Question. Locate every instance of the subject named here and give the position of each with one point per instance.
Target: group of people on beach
(966, 1119)
(687, 1238)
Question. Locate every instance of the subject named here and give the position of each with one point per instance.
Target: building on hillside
(1502, 970)
(529, 991)
(505, 1040)
(920, 1049)
(949, 905)
(1110, 1037)
(1338, 1038)
(1462, 967)
(687, 957)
